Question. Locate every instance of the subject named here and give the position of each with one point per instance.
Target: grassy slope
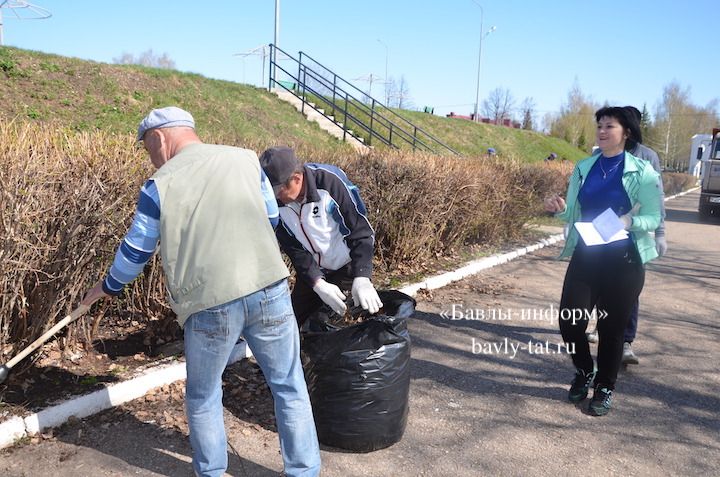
(472, 138)
(85, 95)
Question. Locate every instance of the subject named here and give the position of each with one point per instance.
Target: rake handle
(76, 313)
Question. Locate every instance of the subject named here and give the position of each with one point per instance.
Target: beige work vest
(216, 241)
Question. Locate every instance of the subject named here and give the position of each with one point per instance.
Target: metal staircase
(354, 111)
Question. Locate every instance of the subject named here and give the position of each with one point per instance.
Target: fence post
(345, 118)
(414, 137)
(272, 63)
(334, 93)
(304, 98)
(372, 114)
(300, 54)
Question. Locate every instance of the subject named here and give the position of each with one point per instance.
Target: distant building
(509, 123)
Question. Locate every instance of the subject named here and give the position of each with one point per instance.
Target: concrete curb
(682, 193)
(471, 268)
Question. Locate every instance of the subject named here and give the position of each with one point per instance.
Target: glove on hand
(365, 295)
(660, 245)
(331, 295)
(627, 218)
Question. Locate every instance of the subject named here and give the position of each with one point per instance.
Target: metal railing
(359, 114)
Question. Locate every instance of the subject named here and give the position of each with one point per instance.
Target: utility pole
(276, 36)
(482, 35)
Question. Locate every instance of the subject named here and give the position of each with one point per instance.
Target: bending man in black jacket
(325, 231)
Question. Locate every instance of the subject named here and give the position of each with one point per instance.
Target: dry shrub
(66, 200)
(676, 182)
(423, 206)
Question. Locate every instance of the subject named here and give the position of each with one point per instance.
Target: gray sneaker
(592, 337)
(629, 356)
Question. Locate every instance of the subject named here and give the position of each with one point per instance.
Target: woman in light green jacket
(608, 277)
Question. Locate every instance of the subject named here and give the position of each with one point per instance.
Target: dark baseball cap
(279, 164)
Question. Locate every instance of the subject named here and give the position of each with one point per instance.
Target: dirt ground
(487, 396)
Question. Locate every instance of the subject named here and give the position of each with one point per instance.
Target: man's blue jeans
(266, 320)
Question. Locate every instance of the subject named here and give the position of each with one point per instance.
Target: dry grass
(67, 198)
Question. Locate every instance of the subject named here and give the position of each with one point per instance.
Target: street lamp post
(482, 35)
(386, 69)
(275, 38)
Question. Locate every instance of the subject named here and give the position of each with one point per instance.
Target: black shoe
(580, 385)
(601, 401)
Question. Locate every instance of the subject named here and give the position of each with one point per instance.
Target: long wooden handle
(76, 313)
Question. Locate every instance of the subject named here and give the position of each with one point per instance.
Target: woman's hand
(554, 204)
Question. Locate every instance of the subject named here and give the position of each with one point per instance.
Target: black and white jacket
(329, 229)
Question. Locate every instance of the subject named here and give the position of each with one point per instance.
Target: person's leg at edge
(631, 328)
(272, 334)
(619, 295)
(578, 296)
(628, 356)
(210, 336)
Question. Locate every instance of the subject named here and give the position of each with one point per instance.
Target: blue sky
(622, 52)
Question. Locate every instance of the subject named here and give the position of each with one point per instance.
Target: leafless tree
(399, 94)
(146, 58)
(498, 105)
(676, 121)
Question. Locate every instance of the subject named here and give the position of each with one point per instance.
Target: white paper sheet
(608, 224)
(605, 228)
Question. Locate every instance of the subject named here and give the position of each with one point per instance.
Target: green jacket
(641, 184)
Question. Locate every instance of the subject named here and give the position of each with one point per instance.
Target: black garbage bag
(358, 376)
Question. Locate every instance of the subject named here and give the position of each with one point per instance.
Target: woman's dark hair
(627, 120)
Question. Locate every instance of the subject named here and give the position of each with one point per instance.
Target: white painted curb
(110, 396)
(113, 395)
(682, 193)
(11, 430)
(471, 268)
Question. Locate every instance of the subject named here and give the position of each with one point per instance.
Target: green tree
(527, 110)
(645, 122)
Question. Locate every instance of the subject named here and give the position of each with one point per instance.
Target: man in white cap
(214, 209)
(325, 231)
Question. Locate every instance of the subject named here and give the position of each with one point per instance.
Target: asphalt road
(488, 396)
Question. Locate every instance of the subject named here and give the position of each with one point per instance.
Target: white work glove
(365, 295)
(660, 245)
(331, 295)
(627, 218)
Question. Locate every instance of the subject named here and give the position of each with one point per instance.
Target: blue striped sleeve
(139, 244)
(270, 201)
